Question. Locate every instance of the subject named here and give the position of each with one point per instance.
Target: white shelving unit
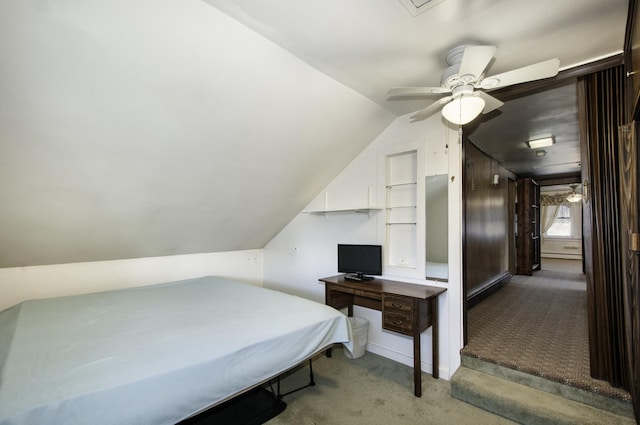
(368, 209)
(401, 209)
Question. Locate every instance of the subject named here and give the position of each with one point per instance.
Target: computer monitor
(360, 261)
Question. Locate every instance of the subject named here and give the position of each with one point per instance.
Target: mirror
(437, 227)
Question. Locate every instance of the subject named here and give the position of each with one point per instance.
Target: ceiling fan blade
(417, 91)
(533, 72)
(475, 59)
(424, 113)
(490, 102)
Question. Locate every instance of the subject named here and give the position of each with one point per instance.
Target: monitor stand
(357, 277)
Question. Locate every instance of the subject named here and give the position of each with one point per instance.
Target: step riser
(505, 408)
(524, 404)
(619, 407)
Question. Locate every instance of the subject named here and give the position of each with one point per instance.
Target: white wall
(136, 128)
(20, 283)
(305, 250)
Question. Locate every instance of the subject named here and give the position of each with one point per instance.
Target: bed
(152, 355)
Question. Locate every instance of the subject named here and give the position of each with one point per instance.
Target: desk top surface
(413, 290)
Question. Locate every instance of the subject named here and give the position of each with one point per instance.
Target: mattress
(154, 354)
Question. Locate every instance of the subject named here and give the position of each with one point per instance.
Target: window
(562, 225)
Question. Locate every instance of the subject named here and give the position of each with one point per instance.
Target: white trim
(396, 356)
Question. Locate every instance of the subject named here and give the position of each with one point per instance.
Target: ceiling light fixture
(573, 196)
(463, 109)
(541, 143)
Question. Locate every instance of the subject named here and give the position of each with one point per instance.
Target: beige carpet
(372, 390)
(538, 325)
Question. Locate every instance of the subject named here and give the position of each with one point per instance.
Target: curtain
(602, 112)
(549, 208)
(549, 214)
(561, 199)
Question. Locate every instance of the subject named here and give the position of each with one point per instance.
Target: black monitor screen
(358, 261)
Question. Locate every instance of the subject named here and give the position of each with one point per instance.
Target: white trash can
(359, 329)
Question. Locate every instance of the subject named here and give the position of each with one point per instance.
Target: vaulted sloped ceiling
(135, 128)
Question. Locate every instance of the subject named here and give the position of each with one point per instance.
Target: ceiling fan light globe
(463, 109)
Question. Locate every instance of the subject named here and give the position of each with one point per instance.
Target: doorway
(561, 228)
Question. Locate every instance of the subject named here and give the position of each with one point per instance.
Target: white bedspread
(152, 355)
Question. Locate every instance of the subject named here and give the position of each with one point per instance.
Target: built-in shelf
(391, 186)
(528, 213)
(366, 210)
(401, 219)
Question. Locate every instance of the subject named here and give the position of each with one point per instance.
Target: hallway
(538, 325)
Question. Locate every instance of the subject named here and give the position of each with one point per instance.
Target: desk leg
(434, 337)
(417, 367)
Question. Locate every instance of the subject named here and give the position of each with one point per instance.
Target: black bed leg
(312, 383)
(279, 394)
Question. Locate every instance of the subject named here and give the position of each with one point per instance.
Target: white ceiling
(373, 45)
(135, 128)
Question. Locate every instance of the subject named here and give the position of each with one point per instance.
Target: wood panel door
(630, 240)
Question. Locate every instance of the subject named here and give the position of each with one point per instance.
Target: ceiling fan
(464, 80)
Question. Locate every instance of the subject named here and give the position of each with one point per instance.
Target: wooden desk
(406, 308)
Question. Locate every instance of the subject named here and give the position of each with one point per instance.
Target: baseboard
(561, 256)
(489, 287)
(406, 360)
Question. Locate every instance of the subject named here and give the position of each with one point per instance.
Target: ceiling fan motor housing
(451, 77)
(462, 90)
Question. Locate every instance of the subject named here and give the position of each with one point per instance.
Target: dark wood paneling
(603, 112)
(528, 240)
(629, 196)
(486, 238)
(511, 214)
(587, 219)
(632, 62)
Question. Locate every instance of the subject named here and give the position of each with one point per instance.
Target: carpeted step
(524, 404)
(599, 401)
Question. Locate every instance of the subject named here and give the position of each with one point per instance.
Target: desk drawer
(401, 323)
(397, 314)
(368, 294)
(398, 304)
